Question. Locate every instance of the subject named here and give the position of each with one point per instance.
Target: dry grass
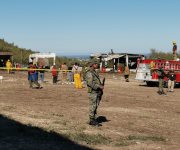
(56, 116)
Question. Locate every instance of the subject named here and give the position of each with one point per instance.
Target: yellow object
(8, 66)
(152, 65)
(77, 81)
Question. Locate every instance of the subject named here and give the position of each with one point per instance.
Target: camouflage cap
(92, 62)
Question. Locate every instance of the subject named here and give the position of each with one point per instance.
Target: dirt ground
(133, 116)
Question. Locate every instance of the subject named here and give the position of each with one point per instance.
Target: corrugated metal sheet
(6, 53)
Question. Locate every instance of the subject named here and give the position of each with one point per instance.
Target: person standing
(64, 69)
(171, 81)
(41, 71)
(161, 75)
(174, 50)
(36, 72)
(54, 74)
(8, 66)
(32, 76)
(70, 75)
(95, 91)
(77, 76)
(126, 73)
(152, 67)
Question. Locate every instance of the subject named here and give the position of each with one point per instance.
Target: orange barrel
(120, 69)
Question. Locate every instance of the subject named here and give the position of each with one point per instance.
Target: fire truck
(145, 73)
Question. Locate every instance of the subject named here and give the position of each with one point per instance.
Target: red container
(178, 77)
(154, 75)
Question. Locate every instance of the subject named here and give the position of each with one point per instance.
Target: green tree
(154, 54)
(21, 55)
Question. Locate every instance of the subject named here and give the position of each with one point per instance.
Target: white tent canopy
(34, 57)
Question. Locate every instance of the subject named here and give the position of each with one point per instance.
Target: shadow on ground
(102, 119)
(16, 136)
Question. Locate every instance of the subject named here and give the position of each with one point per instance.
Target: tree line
(21, 55)
(155, 54)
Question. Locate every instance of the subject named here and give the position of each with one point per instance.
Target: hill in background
(20, 55)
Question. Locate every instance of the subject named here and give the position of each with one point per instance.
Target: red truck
(145, 73)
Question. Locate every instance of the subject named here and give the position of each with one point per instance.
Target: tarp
(113, 56)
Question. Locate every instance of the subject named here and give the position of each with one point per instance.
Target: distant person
(8, 66)
(77, 76)
(64, 69)
(174, 50)
(70, 75)
(171, 80)
(32, 76)
(18, 66)
(161, 75)
(126, 73)
(54, 74)
(152, 67)
(41, 72)
(36, 72)
(81, 71)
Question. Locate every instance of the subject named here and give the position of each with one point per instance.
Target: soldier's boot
(95, 114)
(163, 93)
(93, 122)
(159, 92)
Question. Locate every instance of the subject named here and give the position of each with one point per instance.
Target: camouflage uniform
(161, 76)
(93, 83)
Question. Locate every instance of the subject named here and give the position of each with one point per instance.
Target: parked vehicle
(145, 73)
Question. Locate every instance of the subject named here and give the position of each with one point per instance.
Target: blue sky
(80, 27)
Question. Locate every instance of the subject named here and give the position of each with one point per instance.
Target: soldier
(161, 75)
(95, 90)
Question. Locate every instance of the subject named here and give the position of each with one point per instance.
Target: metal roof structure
(110, 56)
(6, 53)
